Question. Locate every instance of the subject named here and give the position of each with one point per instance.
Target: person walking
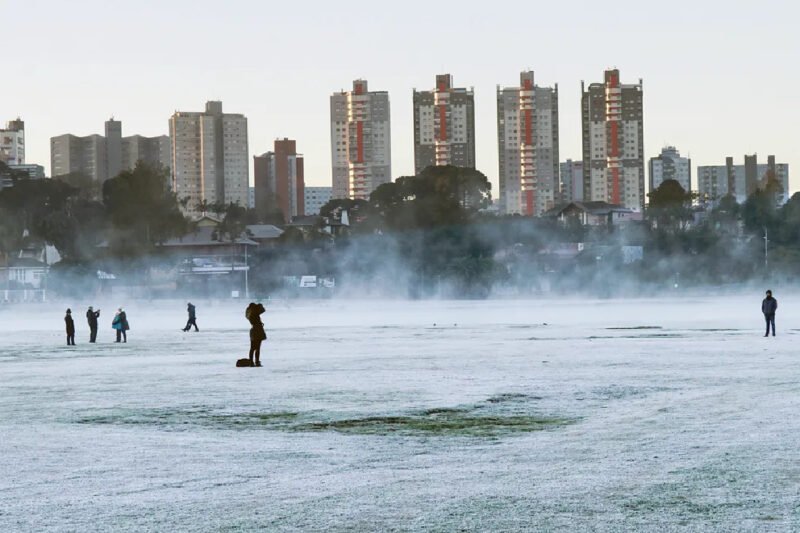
(91, 317)
(70, 328)
(257, 333)
(120, 323)
(192, 318)
(768, 306)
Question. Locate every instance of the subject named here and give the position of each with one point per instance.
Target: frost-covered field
(657, 415)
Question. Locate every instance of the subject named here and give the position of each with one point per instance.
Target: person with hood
(120, 323)
(192, 318)
(91, 317)
(70, 328)
(257, 333)
(768, 306)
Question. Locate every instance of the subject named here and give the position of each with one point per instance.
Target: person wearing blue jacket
(120, 324)
(768, 307)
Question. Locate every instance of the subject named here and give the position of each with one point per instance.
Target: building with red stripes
(613, 142)
(361, 143)
(444, 126)
(527, 135)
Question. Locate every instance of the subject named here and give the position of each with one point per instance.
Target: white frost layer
(691, 425)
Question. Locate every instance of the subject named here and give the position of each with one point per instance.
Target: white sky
(720, 78)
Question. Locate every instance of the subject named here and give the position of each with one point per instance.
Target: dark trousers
(92, 333)
(770, 320)
(255, 350)
(70, 339)
(191, 322)
(122, 335)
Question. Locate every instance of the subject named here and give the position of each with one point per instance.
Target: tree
(233, 224)
(437, 196)
(670, 206)
(142, 209)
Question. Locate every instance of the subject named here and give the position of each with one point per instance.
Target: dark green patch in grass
(499, 415)
(441, 424)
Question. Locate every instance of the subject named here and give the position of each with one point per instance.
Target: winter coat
(70, 325)
(769, 306)
(117, 322)
(191, 311)
(124, 319)
(253, 315)
(91, 317)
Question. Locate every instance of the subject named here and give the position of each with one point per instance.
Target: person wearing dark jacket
(120, 323)
(91, 317)
(768, 307)
(257, 333)
(70, 328)
(192, 318)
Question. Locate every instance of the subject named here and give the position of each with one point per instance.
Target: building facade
(613, 142)
(527, 137)
(444, 126)
(669, 165)
(12, 143)
(571, 181)
(279, 182)
(85, 155)
(361, 143)
(315, 198)
(104, 156)
(210, 158)
(717, 181)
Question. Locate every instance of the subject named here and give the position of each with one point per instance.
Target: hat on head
(90, 307)
(69, 311)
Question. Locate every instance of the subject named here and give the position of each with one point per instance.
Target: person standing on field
(768, 307)
(91, 317)
(70, 328)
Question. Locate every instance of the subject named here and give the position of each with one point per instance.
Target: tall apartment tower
(113, 147)
(669, 165)
(279, 181)
(103, 157)
(527, 135)
(209, 157)
(361, 142)
(571, 181)
(613, 147)
(12, 143)
(444, 126)
(84, 155)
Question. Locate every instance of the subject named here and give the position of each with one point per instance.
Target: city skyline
(695, 85)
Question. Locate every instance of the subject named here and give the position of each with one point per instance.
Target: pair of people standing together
(119, 324)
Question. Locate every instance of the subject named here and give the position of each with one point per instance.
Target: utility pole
(766, 250)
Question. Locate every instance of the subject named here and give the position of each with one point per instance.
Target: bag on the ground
(244, 362)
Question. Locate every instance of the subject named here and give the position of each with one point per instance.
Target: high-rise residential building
(613, 142)
(279, 181)
(152, 150)
(210, 159)
(717, 181)
(361, 142)
(103, 157)
(527, 137)
(315, 198)
(84, 155)
(12, 143)
(669, 165)
(571, 181)
(444, 126)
